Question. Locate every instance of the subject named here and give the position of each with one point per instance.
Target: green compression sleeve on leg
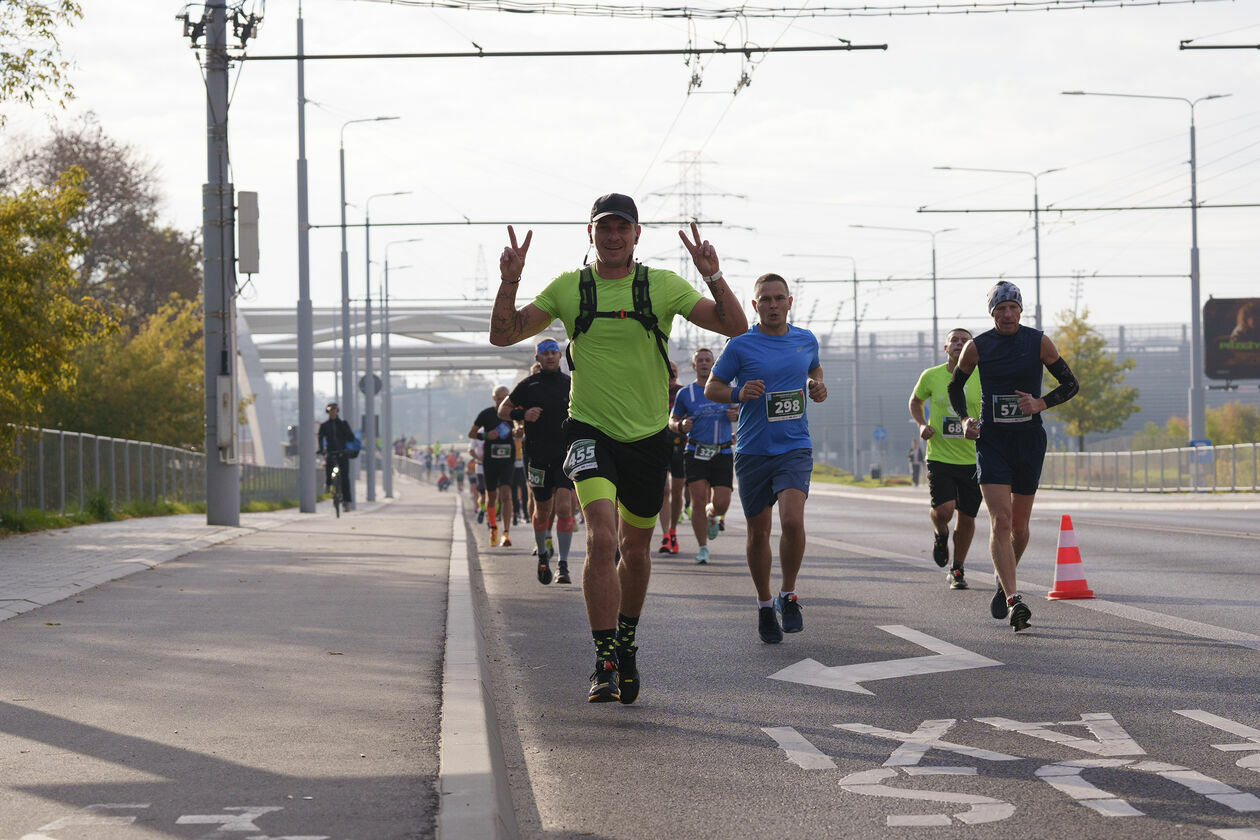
(593, 489)
(647, 523)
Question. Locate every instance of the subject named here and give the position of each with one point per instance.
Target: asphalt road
(1135, 715)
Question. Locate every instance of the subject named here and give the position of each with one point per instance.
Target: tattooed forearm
(719, 301)
(506, 321)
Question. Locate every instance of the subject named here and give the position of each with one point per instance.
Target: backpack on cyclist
(588, 311)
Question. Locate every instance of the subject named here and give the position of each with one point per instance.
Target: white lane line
(1185, 626)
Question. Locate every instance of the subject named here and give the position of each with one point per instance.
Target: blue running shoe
(713, 527)
(790, 609)
(702, 556)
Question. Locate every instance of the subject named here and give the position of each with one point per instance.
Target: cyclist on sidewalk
(336, 436)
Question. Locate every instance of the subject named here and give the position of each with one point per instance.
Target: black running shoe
(768, 626)
(544, 568)
(940, 549)
(562, 573)
(604, 683)
(1020, 614)
(956, 578)
(627, 675)
(997, 607)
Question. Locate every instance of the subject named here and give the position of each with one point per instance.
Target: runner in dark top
(500, 459)
(542, 401)
(1012, 442)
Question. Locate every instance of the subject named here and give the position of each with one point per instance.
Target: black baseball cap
(615, 204)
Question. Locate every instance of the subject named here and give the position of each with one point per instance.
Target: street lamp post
(369, 380)
(1198, 422)
(931, 233)
(349, 407)
(1036, 221)
(387, 396)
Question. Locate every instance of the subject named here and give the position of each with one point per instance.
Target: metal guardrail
(1231, 468)
(60, 472)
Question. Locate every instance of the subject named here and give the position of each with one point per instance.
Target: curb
(474, 801)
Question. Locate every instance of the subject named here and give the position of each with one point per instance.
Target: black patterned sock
(626, 626)
(605, 644)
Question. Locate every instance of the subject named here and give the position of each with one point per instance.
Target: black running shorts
(719, 470)
(954, 483)
(498, 473)
(637, 469)
(546, 477)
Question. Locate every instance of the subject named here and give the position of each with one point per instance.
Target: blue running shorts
(763, 477)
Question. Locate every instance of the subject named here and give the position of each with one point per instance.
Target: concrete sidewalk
(47, 566)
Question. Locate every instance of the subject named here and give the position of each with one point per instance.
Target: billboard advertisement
(1231, 338)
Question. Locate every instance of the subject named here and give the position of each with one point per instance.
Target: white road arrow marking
(847, 677)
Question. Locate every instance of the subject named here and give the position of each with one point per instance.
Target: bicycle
(333, 471)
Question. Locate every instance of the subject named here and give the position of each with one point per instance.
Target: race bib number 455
(580, 458)
(785, 405)
(1006, 409)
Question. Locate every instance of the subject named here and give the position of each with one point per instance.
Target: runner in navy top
(777, 367)
(708, 460)
(1012, 442)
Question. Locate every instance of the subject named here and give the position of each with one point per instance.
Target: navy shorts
(763, 477)
(1012, 458)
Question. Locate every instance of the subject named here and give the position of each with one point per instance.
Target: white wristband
(714, 277)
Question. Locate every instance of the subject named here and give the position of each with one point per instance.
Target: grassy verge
(834, 475)
(98, 510)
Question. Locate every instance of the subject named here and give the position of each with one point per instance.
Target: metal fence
(60, 472)
(1185, 469)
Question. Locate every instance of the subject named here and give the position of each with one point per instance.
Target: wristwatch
(714, 277)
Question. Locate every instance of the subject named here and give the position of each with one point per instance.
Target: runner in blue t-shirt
(777, 367)
(707, 462)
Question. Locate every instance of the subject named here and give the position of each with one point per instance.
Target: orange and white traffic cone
(1069, 572)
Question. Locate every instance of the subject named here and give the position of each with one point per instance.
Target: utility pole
(223, 488)
(305, 314)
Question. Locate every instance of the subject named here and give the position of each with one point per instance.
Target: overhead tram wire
(468, 222)
(744, 50)
(897, 9)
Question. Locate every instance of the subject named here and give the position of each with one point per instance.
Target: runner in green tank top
(951, 457)
(618, 446)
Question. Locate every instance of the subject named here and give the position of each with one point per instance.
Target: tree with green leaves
(42, 321)
(30, 55)
(1104, 402)
(142, 386)
(1234, 422)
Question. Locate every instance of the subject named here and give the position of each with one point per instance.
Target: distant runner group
(633, 447)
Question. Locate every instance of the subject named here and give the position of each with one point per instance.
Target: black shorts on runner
(677, 462)
(1013, 458)
(637, 469)
(498, 473)
(954, 483)
(546, 477)
(718, 470)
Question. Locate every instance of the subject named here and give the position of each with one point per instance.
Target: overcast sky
(815, 143)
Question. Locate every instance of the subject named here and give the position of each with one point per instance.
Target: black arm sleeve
(957, 397)
(517, 413)
(1067, 383)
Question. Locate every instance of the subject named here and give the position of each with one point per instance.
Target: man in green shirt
(951, 457)
(617, 444)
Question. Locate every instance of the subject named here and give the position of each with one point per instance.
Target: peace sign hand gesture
(512, 260)
(703, 254)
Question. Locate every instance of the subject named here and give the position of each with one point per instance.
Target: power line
(743, 10)
(518, 222)
(1053, 209)
(745, 50)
